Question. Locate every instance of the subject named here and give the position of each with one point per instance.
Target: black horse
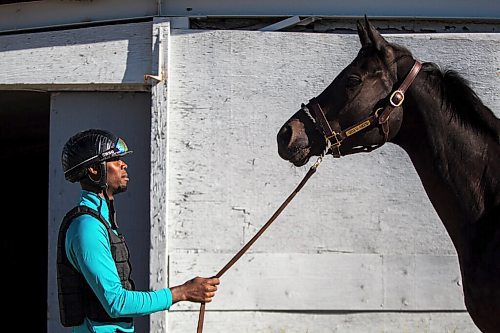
(452, 138)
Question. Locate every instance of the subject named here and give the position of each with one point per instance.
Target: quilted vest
(76, 298)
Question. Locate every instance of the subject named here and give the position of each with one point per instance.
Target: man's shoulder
(87, 224)
(84, 213)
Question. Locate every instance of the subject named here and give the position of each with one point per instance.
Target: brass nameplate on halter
(358, 128)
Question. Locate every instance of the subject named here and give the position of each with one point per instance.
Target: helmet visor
(120, 149)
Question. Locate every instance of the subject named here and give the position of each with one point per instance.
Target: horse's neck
(451, 160)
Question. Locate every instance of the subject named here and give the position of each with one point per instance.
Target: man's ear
(93, 172)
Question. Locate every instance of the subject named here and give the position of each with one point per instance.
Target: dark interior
(24, 137)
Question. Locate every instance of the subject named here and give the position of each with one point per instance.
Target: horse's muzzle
(293, 144)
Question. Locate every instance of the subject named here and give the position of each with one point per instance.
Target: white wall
(361, 236)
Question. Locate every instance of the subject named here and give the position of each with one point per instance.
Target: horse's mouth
(300, 157)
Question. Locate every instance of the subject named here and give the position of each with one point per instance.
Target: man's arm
(88, 249)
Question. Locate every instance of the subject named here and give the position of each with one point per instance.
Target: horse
(452, 139)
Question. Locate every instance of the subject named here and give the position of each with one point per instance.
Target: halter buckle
(397, 98)
(334, 135)
(331, 145)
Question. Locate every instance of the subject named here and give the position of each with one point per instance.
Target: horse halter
(334, 139)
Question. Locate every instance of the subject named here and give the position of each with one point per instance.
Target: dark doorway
(24, 159)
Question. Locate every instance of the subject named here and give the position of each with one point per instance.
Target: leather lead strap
(328, 132)
(240, 253)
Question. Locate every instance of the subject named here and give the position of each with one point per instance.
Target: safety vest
(76, 298)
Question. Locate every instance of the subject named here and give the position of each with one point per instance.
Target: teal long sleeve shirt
(88, 249)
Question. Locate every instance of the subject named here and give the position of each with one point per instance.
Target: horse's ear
(363, 35)
(369, 35)
(374, 36)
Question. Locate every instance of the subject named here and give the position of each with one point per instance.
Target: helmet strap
(102, 182)
(111, 207)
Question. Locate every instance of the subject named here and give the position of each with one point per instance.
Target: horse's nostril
(284, 135)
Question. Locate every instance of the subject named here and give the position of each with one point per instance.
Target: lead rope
(238, 255)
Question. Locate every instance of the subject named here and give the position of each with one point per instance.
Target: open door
(24, 134)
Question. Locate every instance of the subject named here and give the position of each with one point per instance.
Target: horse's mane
(461, 101)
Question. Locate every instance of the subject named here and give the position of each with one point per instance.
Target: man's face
(117, 175)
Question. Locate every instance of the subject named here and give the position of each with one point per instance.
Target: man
(96, 292)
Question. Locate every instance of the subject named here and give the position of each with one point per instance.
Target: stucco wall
(361, 236)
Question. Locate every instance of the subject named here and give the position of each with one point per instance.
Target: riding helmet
(90, 147)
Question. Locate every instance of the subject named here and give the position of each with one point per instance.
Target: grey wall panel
(328, 282)
(226, 108)
(323, 322)
(109, 55)
(128, 116)
(230, 91)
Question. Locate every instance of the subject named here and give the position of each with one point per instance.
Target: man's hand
(199, 290)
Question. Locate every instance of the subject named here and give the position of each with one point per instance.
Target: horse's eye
(353, 81)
